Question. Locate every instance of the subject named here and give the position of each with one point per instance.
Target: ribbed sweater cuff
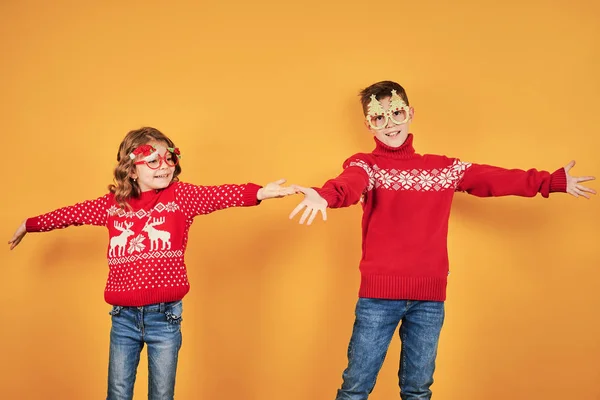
(32, 225)
(249, 197)
(558, 181)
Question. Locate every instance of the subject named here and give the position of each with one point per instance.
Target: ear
(411, 113)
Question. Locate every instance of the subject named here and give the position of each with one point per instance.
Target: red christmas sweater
(406, 199)
(147, 243)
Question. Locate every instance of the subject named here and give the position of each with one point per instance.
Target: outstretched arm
(195, 199)
(487, 181)
(90, 212)
(343, 191)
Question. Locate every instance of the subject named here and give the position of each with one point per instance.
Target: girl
(148, 213)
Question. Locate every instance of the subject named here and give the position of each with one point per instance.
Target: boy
(406, 199)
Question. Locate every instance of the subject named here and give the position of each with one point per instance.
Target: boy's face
(391, 134)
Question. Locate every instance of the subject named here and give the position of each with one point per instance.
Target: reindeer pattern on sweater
(147, 241)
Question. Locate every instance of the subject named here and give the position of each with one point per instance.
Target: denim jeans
(375, 324)
(159, 327)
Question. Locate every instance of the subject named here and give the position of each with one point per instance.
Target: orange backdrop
(255, 91)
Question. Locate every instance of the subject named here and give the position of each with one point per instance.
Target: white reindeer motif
(119, 242)
(155, 235)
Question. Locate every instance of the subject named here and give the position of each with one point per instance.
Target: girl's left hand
(274, 189)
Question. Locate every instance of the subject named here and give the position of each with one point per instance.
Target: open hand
(18, 236)
(313, 203)
(573, 183)
(274, 189)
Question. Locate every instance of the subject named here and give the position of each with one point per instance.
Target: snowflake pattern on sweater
(147, 243)
(434, 179)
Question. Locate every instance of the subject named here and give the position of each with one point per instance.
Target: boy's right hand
(18, 236)
(313, 203)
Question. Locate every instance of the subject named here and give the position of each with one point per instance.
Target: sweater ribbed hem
(144, 297)
(403, 288)
(558, 181)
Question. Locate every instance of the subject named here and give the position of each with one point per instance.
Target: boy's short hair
(380, 90)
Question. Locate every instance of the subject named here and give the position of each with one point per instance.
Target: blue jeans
(375, 324)
(159, 327)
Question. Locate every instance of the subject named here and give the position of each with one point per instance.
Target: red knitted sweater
(406, 199)
(147, 243)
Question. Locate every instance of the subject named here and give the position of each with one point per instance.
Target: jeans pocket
(173, 314)
(116, 310)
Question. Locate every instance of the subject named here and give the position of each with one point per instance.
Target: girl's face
(156, 170)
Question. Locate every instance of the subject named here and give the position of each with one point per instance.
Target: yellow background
(255, 91)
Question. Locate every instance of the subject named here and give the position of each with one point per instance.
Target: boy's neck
(404, 151)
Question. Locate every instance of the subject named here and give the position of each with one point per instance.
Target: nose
(163, 164)
(390, 123)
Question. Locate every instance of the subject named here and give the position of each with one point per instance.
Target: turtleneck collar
(405, 151)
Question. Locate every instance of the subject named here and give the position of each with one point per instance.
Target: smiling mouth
(392, 134)
(162, 176)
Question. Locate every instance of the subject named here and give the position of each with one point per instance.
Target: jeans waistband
(158, 307)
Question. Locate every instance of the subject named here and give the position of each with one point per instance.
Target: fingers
(581, 193)
(313, 214)
(280, 182)
(300, 189)
(569, 165)
(15, 242)
(269, 193)
(305, 215)
(584, 178)
(16, 238)
(585, 189)
(310, 213)
(286, 191)
(577, 193)
(297, 209)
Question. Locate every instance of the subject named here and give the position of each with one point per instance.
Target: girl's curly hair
(124, 187)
